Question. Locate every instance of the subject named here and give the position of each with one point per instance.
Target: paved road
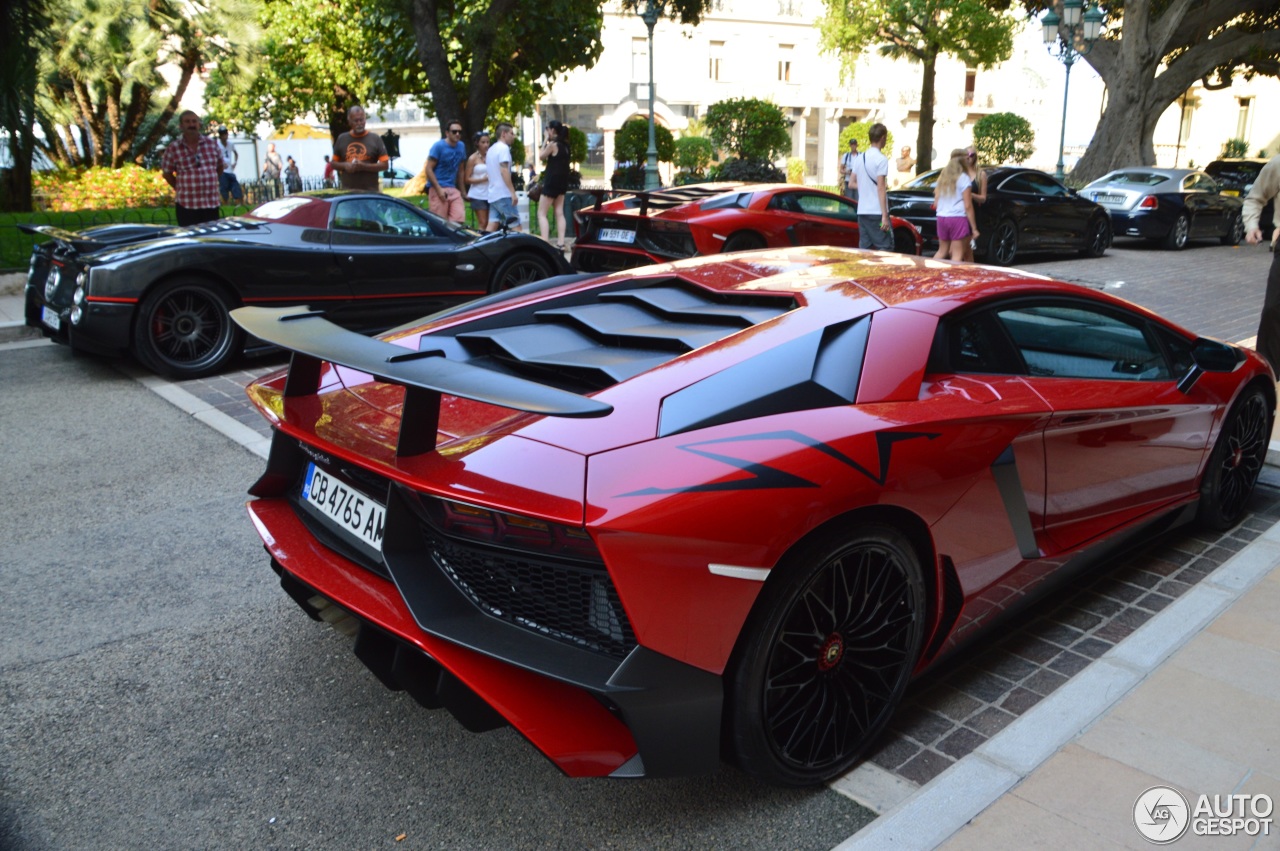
(160, 691)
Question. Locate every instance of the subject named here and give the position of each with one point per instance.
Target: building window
(970, 85)
(639, 60)
(715, 67)
(784, 62)
(1245, 118)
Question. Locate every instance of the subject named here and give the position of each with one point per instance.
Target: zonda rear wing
(66, 237)
(425, 375)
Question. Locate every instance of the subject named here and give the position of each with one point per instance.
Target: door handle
(465, 267)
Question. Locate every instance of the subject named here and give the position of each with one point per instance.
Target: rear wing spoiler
(66, 237)
(425, 375)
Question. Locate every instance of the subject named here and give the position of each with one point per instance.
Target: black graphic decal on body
(765, 477)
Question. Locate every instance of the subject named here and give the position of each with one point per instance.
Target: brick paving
(1215, 290)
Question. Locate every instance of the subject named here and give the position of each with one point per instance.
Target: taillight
(515, 531)
(1150, 202)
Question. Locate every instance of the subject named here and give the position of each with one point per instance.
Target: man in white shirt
(502, 192)
(870, 171)
(228, 183)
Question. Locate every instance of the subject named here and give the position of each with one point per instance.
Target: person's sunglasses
(456, 131)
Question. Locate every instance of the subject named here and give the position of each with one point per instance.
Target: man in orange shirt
(358, 155)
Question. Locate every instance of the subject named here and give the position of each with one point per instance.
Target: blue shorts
(479, 204)
(229, 186)
(503, 211)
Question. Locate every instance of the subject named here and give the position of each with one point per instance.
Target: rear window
(279, 208)
(1135, 178)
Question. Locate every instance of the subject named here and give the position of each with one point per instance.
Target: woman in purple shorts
(953, 199)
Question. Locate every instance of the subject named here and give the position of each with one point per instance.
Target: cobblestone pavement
(1215, 290)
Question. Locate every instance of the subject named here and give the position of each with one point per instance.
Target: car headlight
(77, 301)
(51, 283)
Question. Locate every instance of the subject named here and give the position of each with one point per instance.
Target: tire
(1235, 233)
(904, 241)
(183, 329)
(1236, 460)
(1099, 239)
(743, 241)
(1179, 233)
(825, 656)
(1002, 248)
(522, 268)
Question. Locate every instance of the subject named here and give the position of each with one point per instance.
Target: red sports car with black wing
(730, 505)
(717, 218)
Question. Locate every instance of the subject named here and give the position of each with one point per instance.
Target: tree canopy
(319, 57)
(753, 129)
(1152, 51)
(979, 32)
(101, 98)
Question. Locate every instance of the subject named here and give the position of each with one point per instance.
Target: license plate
(356, 514)
(617, 235)
(1233, 192)
(51, 318)
(1107, 199)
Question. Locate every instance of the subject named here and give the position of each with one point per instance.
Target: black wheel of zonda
(1236, 460)
(826, 656)
(183, 329)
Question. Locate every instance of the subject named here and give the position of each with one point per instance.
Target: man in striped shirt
(191, 165)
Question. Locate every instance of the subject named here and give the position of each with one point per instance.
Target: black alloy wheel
(1099, 239)
(743, 241)
(1002, 248)
(183, 329)
(521, 268)
(1236, 461)
(825, 656)
(1235, 233)
(1179, 233)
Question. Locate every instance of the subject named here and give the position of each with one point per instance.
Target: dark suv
(1236, 177)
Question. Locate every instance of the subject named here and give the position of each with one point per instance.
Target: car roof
(829, 275)
(1165, 173)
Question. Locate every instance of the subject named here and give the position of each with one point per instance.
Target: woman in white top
(478, 181)
(953, 199)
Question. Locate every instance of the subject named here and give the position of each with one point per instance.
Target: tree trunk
(924, 138)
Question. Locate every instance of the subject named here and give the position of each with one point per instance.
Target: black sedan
(164, 293)
(1171, 206)
(1025, 210)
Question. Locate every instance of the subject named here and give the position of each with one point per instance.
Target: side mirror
(1210, 356)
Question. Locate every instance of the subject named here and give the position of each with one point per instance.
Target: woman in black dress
(555, 180)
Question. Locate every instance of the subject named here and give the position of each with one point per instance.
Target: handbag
(535, 191)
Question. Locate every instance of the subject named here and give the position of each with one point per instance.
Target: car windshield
(279, 208)
(925, 181)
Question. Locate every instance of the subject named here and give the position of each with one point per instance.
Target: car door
(817, 219)
(1207, 206)
(1122, 439)
(1055, 217)
(400, 262)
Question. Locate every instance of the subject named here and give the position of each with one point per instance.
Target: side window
(375, 216)
(1074, 340)
(820, 205)
(974, 343)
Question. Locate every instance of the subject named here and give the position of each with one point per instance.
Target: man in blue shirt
(445, 164)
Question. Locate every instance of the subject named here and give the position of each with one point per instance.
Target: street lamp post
(652, 11)
(1060, 37)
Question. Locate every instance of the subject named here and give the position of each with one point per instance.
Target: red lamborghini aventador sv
(729, 506)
